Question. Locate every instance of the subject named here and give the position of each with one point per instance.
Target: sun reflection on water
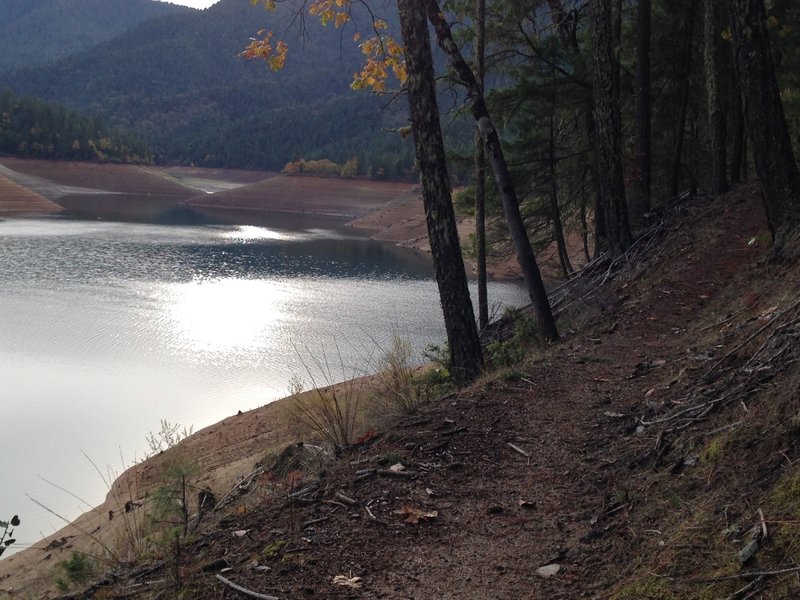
(224, 315)
(251, 233)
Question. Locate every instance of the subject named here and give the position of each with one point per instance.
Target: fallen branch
(746, 575)
(516, 448)
(346, 499)
(243, 590)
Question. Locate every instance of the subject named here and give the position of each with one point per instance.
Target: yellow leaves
(275, 57)
(329, 11)
(384, 55)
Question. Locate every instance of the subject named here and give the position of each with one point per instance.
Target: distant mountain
(38, 32)
(178, 80)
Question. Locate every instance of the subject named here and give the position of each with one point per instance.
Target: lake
(108, 328)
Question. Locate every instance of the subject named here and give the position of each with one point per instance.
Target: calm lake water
(107, 328)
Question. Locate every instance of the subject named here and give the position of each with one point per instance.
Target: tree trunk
(459, 318)
(480, 171)
(640, 200)
(716, 116)
(738, 152)
(558, 228)
(608, 130)
(765, 120)
(567, 28)
(502, 176)
(677, 160)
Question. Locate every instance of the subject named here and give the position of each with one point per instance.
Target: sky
(195, 3)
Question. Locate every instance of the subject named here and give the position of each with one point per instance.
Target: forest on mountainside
(32, 128)
(179, 82)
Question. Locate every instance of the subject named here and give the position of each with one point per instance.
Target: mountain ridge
(179, 81)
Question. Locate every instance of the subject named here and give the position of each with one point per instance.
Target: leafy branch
(7, 537)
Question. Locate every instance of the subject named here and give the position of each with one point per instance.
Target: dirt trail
(539, 466)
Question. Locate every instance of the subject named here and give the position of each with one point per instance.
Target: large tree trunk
(608, 130)
(639, 202)
(677, 160)
(502, 176)
(459, 318)
(480, 171)
(716, 116)
(765, 119)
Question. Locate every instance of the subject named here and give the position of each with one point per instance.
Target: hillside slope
(636, 458)
(38, 32)
(179, 81)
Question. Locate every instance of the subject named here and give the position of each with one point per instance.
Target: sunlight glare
(249, 233)
(224, 315)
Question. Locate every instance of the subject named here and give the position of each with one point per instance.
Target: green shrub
(77, 570)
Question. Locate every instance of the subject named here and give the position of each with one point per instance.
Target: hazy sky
(195, 3)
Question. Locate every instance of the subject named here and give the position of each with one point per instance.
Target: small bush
(169, 436)
(329, 409)
(77, 570)
(331, 412)
(513, 350)
(397, 383)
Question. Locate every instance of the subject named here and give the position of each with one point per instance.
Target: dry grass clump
(399, 385)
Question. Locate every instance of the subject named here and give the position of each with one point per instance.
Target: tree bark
(716, 116)
(608, 129)
(502, 176)
(567, 29)
(480, 171)
(640, 200)
(462, 332)
(677, 160)
(555, 209)
(738, 152)
(765, 121)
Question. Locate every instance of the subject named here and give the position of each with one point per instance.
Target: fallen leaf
(548, 570)
(397, 468)
(241, 509)
(414, 515)
(351, 582)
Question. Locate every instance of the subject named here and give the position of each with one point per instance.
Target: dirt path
(501, 514)
(539, 466)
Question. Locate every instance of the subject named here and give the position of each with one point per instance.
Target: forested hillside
(37, 32)
(179, 80)
(32, 128)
